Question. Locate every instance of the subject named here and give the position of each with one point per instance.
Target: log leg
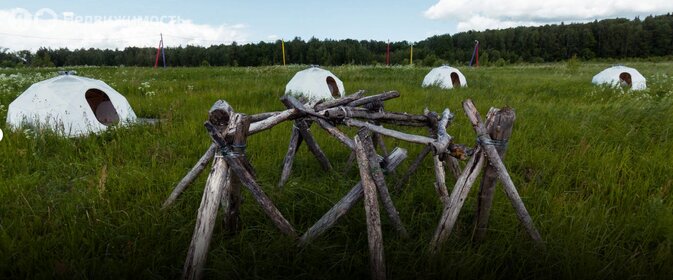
(440, 181)
(374, 234)
(417, 162)
(295, 141)
(499, 124)
(303, 127)
(496, 162)
(191, 176)
(379, 179)
(454, 167)
(205, 220)
(458, 195)
(231, 206)
(345, 204)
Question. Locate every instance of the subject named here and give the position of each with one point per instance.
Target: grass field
(593, 165)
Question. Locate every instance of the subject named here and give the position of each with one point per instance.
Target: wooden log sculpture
(230, 169)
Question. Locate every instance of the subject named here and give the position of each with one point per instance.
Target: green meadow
(594, 166)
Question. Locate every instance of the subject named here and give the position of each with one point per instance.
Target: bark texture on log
(205, 221)
(374, 234)
(499, 123)
(496, 162)
(375, 98)
(458, 195)
(295, 141)
(340, 101)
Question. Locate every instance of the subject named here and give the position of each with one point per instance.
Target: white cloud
(492, 14)
(21, 29)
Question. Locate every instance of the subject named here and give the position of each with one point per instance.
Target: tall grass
(592, 164)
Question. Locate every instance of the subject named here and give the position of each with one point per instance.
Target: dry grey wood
(499, 123)
(412, 168)
(458, 195)
(454, 167)
(270, 122)
(262, 116)
(205, 220)
(334, 131)
(303, 127)
(377, 175)
(496, 162)
(340, 101)
(374, 98)
(220, 114)
(348, 201)
(374, 235)
(378, 141)
(295, 141)
(191, 176)
(391, 133)
(231, 196)
(440, 181)
(238, 167)
(343, 112)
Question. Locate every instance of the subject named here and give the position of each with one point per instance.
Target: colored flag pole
(282, 44)
(156, 60)
(160, 50)
(388, 54)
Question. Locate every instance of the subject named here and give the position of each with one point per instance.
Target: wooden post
(499, 123)
(374, 234)
(458, 195)
(231, 197)
(295, 141)
(303, 127)
(348, 201)
(440, 181)
(205, 220)
(496, 162)
(412, 168)
(191, 176)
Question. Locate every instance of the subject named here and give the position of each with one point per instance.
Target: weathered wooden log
(342, 112)
(338, 102)
(348, 201)
(380, 181)
(205, 220)
(443, 138)
(440, 181)
(220, 114)
(291, 102)
(334, 131)
(238, 168)
(412, 168)
(391, 133)
(374, 234)
(499, 123)
(191, 176)
(231, 196)
(378, 141)
(374, 98)
(270, 122)
(295, 141)
(454, 167)
(495, 161)
(458, 195)
(262, 116)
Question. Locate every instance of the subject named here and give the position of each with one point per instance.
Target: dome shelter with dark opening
(71, 106)
(621, 76)
(315, 84)
(445, 77)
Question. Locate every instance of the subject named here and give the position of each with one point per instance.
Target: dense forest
(605, 39)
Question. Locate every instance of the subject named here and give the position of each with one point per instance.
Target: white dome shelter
(445, 77)
(315, 84)
(621, 76)
(70, 105)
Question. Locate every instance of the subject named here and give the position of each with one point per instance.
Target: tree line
(605, 39)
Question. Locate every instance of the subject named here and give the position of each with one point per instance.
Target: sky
(30, 24)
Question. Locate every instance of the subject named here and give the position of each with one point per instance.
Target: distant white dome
(70, 105)
(315, 84)
(621, 76)
(445, 77)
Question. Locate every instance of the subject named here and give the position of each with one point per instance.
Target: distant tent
(621, 76)
(70, 105)
(315, 84)
(445, 77)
